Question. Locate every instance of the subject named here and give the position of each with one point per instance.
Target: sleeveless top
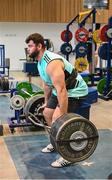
(75, 84)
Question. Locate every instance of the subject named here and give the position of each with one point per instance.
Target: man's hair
(36, 38)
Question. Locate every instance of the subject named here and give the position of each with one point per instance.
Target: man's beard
(34, 54)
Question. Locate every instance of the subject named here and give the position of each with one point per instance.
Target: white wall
(13, 36)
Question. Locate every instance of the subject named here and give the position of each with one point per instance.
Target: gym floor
(100, 115)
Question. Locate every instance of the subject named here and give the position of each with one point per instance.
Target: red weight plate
(66, 36)
(81, 35)
(103, 33)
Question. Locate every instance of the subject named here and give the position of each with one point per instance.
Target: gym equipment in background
(96, 37)
(81, 34)
(4, 84)
(66, 48)
(20, 97)
(105, 53)
(66, 36)
(81, 64)
(4, 62)
(81, 49)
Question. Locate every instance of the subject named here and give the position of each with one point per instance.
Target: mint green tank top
(79, 90)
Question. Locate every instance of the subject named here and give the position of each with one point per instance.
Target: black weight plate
(33, 104)
(72, 126)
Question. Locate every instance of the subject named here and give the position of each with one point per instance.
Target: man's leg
(60, 162)
(73, 105)
(50, 108)
(48, 115)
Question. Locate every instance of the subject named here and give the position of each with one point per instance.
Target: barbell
(24, 92)
(73, 137)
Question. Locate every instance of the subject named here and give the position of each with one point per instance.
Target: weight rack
(19, 119)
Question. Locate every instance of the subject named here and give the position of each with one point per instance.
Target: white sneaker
(61, 163)
(49, 148)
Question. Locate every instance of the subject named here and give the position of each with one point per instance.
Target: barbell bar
(39, 123)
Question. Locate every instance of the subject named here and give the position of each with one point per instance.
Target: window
(98, 4)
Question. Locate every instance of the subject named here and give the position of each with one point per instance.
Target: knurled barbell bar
(73, 137)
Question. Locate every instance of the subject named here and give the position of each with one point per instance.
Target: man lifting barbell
(64, 88)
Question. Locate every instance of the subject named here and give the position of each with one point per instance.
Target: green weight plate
(86, 79)
(40, 93)
(26, 87)
(101, 85)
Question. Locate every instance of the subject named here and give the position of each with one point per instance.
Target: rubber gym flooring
(21, 156)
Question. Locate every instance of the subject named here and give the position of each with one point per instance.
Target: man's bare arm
(47, 92)
(55, 70)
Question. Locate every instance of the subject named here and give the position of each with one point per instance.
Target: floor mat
(31, 163)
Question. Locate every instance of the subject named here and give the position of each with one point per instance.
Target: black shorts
(73, 103)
